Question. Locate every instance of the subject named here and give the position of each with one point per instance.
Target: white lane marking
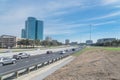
(43, 57)
(35, 59)
(26, 61)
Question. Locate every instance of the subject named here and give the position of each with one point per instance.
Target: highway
(32, 61)
(34, 52)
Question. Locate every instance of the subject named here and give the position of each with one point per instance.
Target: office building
(89, 42)
(33, 29)
(7, 41)
(74, 43)
(104, 40)
(48, 38)
(39, 30)
(67, 41)
(23, 33)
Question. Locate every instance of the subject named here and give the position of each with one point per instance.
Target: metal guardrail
(18, 72)
(28, 68)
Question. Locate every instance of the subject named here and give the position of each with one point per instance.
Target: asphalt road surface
(33, 60)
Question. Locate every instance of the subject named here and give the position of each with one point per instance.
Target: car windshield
(5, 58)
(20, 53)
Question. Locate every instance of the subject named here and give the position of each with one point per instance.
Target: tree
(114, 43)
(37, 42)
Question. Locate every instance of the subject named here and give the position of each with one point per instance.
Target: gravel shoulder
(94, 64)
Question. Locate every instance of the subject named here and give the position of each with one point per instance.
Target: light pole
(90, 31)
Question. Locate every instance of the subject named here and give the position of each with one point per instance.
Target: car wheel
(1, 64)
(28, 56)
(14, 62)
(20, 57)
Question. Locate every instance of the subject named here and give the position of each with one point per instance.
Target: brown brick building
(7, 41)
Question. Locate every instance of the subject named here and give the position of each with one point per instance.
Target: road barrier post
(52, 61)
(1, 78)
(42, 65)
(48, 62)
(60, 57)
(16, 74)
(28, 70)
(36, 67)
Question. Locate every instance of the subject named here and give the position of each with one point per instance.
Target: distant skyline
(63, 19)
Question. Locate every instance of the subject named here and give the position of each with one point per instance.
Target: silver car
(6, 60)
(62, 52)
(21, 56)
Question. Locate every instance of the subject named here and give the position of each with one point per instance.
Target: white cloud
(62, 4)
(108, 2)
(42, 11)
(56, 28)
(16, 15)
(70, 28)
(104, 23)
(58, 32)
(117, 6)
(106, 16)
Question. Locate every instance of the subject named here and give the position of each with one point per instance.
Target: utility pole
(90, 31)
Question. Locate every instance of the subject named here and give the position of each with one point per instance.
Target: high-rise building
(89, 42)
(39, 30)
(23, 33)
(67, 41)
(33, 29)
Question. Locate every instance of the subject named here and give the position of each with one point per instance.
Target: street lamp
(90, 31)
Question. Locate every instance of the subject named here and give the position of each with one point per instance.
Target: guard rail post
(48, 63)
(1, 78)
(36, 67)
(28, 70)
(42, 65)
(16, 74)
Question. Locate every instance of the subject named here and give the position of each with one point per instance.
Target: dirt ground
(94, 64)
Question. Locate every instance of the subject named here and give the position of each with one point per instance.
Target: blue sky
(63, 19)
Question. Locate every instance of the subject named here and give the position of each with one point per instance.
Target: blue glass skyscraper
(33, 29)
(23, 35)
(39, 30)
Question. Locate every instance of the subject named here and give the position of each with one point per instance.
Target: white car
(6, 60)
(62, 52)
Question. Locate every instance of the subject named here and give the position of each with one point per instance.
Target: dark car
(73, 49)
(21, 56)
(49, 52)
